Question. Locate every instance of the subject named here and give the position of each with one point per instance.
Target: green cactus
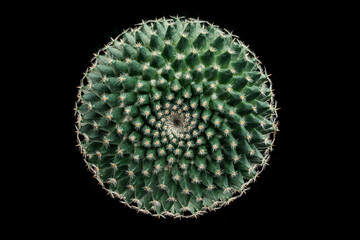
(176, 117)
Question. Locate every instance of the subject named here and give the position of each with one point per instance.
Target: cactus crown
(176, 117)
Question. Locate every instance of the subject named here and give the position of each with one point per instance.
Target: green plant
(176, 117)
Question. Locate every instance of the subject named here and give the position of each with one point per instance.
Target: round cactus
(176, 117)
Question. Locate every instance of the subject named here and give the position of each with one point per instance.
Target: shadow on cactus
(176, 117)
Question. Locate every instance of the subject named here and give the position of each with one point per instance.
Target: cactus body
(176, 117)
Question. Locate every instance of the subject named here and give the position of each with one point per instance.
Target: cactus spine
(176, 117)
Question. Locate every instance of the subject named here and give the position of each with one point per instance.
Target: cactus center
(177, 124)
(177, 121)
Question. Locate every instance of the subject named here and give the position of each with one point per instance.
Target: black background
(287, 194)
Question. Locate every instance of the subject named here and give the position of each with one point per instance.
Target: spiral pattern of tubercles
(176, 117)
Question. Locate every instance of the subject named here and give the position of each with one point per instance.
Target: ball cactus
(176, 117)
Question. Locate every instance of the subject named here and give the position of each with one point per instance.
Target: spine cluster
(176, 117)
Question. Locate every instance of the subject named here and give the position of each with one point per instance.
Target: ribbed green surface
(176, 117)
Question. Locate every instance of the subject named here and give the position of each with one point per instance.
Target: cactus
(176, 117)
